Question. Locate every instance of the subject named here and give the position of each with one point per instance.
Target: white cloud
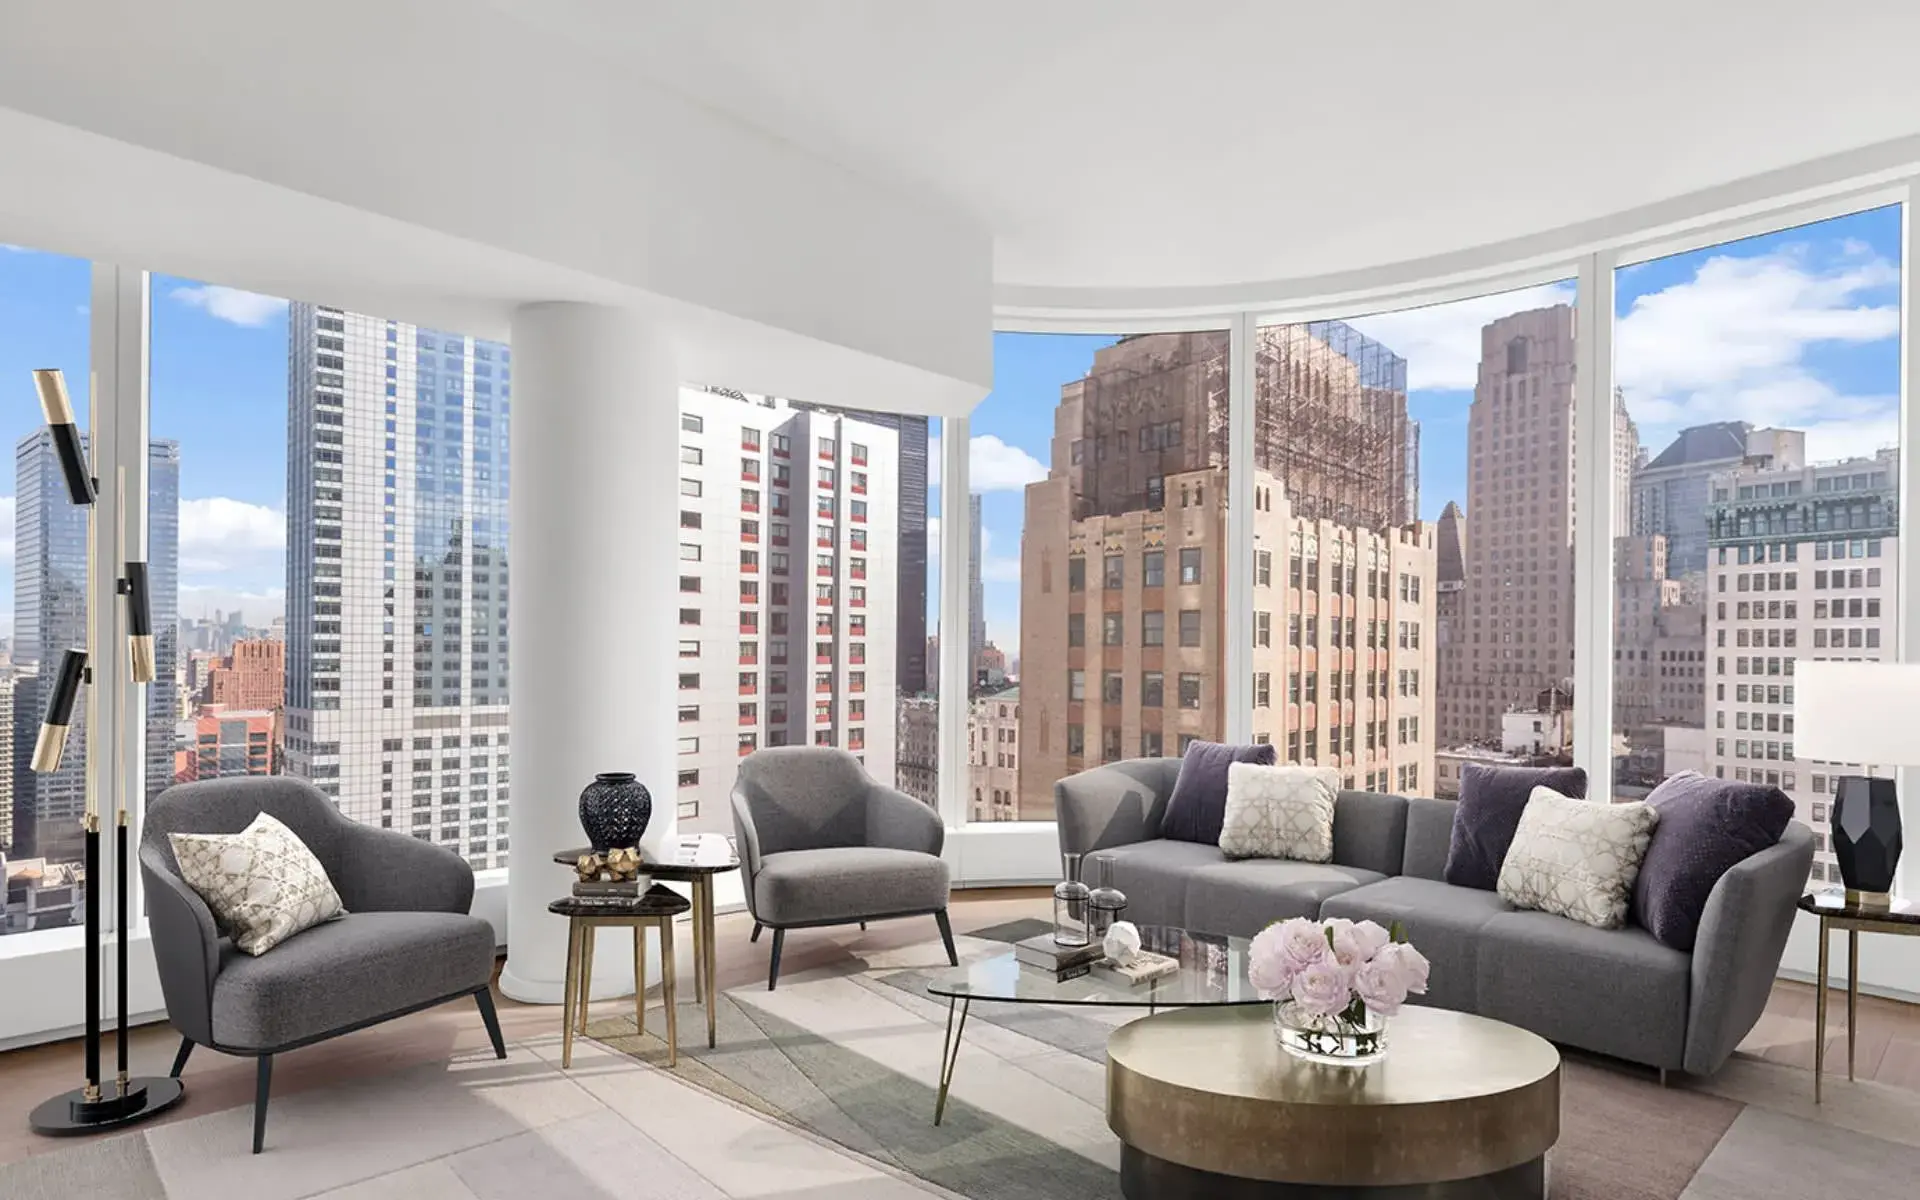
(1731, 343)
(218, 534)
(992, 465)
(6, 529)
(1441, 342)
(10, 248)
(231, 304)
(933, 539)
(997, 568)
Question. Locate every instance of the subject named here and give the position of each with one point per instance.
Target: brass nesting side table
(1846, 910)
(695, 860)
(656, 909)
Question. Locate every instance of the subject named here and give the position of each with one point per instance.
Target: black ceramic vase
(614, 810)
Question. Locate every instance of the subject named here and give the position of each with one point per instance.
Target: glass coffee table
(1213, 971)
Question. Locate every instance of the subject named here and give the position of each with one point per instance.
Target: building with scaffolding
(1124, 552)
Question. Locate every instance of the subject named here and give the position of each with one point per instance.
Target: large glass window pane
(1763, 379)
(1099, 473)
(44, 322)
(1413, 537)
(339, 610)
(804, 532)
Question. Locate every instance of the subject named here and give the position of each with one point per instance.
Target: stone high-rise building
(1518, 595)
(397, 542)
(993, 756)
(253, 675)
(976, 593)
(1803, 562)
(1670, 491)
(1659, 659)
(787, 586)
(1123, 564)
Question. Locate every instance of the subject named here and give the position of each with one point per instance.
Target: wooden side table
(697, 859)
(1844, 910)
(656, 909)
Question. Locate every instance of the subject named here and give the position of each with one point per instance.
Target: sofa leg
(180, 1059)
(773, 968)
(484, 998)
(1663, 1077)
(946, 936)
(262, 1084)
(756, 932)
(863, 927)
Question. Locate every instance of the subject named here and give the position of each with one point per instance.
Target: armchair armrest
(1113, 805)
(896, 821)
(746, 837)
(186, 946)
(1743, 933)
(383, 870)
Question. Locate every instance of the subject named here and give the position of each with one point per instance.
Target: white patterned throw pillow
(1279, 812)
(262, 883)
(1577, 858)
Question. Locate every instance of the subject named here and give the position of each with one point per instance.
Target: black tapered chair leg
(484, 998)
(262, 1085)
(180, 1059)
(946, 936)
(863, 927)
(773, 967)
(756, 932)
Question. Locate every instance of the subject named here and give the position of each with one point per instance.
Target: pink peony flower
(1380, 985)
(1409, 964)
(1369, 936)
(1268, 966)
(1321, 988)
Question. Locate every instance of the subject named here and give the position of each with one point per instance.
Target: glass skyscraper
(397, 476)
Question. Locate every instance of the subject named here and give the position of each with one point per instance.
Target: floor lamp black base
(70, 1114)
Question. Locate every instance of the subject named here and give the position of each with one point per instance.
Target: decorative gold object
(588, 867)
(623, 865)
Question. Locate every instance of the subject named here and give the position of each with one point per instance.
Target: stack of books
(1144, 967)
(1042, 953)
(609, 892)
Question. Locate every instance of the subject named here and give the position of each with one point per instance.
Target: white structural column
(1593, 530)
(592, 616)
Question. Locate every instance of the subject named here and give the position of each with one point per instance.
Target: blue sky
(1798, 328)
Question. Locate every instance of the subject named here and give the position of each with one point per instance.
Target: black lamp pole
(90, 1108)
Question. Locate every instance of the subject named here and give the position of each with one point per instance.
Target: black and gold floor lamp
(98, 1106)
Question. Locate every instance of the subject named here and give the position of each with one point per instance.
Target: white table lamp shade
(1857, 712)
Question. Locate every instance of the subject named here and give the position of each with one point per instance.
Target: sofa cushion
(847, 883)
(359, 968)
(1198, 805)
(1370, 831)
(1491, 801)
(1279, 812)
(1577, 858)
(1429, 833)
(1442, 921)
(1612, 991)
(1240, 899)
(1155, 875)
(1707, 826)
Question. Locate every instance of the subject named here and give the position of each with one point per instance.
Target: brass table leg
(666, 987)
(639, 978)
(709, 956)
(950, 1055)
(1820, 1014)
(566, 1003)
(699, 939)
(1853, 995)
(587, 938)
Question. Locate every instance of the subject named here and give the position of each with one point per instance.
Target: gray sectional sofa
(1614, 992)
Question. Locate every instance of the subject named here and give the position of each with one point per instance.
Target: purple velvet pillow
(1706, 827)
(1491, 801)
(1198, 806)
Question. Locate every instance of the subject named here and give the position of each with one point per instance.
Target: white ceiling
(1162, 144)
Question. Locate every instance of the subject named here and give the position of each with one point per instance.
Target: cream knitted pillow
(262, 883)
(1577, 858)
(1279, 812)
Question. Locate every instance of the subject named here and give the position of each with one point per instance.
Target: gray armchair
(821, 843)
(406, 943)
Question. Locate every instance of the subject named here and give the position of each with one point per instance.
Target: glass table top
(1213, 970)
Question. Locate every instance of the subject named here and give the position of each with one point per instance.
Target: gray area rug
(1623, 1137)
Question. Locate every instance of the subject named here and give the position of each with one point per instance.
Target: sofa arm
(186, 947)
(384, 870)
(1113, 805)
(1742, 935)
(897, 821)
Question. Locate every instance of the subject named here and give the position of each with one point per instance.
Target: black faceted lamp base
(1866, 834)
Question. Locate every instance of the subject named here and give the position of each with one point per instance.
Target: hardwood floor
(1889, 1049)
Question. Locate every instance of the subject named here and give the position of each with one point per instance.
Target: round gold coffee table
(1206, 1104)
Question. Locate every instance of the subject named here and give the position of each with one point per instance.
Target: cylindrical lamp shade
(139, 623)
(1857, 712)
(58, 409)
(52, 744)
